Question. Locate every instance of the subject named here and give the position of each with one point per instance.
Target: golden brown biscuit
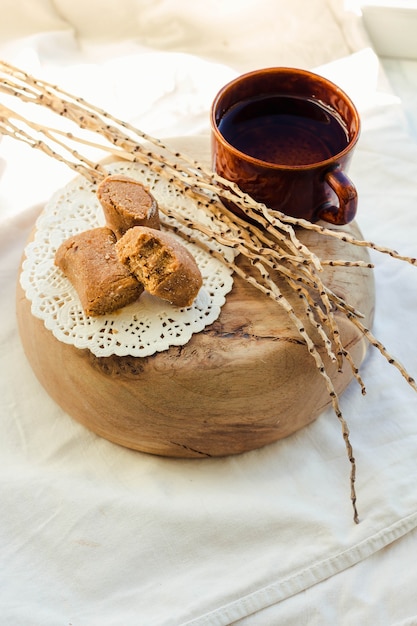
(89, 260)
(127, 203)
(164, 266)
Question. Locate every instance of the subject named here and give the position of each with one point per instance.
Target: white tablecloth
(94, 534)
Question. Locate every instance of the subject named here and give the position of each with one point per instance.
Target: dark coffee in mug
(284, 129)
(286, 136)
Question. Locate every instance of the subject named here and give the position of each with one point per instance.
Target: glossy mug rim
(280, 166)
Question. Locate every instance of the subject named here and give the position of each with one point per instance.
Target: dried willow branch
(267, 239)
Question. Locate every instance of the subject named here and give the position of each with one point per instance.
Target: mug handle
(348, 199)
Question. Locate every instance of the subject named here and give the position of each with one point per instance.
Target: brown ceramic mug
(286, 136)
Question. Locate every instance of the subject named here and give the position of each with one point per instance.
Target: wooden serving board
(245, 381)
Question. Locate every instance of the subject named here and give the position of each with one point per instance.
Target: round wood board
(245, 381)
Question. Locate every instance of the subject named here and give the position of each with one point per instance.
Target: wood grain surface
(245, 381)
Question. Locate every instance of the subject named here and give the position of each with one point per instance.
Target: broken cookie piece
(127, 203)
(89, 260)
(164, 266)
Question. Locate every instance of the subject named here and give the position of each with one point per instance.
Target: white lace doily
(147, 326)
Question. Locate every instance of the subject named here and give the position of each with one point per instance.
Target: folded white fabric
(246, 33)
(92, 533)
